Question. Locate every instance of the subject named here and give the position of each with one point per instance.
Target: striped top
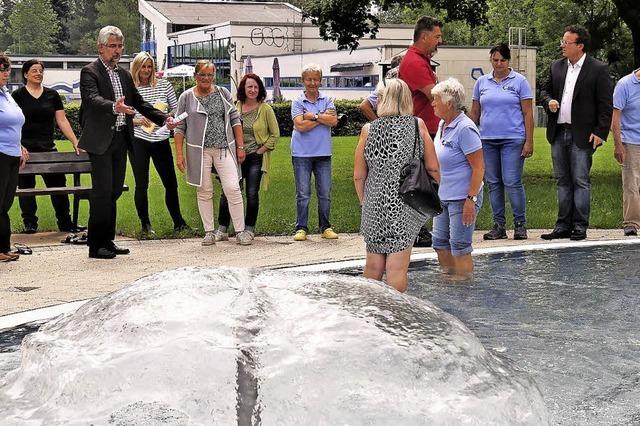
(163, 93)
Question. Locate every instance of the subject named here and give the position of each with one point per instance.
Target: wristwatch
(315, 117)
(473, 198)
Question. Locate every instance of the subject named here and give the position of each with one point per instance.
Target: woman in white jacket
(213, 132)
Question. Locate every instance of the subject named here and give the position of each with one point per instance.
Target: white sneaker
(220, 236)
(209, 239)
(244, 238)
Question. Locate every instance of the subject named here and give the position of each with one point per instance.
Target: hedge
(350, 124)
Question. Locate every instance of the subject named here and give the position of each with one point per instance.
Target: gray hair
(311, 68)
(451, 92)
(108, 31)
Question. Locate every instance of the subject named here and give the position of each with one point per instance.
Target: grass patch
(277, 206)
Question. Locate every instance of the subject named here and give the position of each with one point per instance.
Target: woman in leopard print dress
(390, 226)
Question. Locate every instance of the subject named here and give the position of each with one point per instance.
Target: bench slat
(80, 190)
(55, 168)
(53, 157)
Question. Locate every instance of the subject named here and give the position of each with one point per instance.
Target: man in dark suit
(109, 101)
(578, 97)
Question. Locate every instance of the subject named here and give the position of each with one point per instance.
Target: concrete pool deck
(58, 273)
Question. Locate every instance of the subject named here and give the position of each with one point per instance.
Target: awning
(354, 66)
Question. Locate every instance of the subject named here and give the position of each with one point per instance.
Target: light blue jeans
(449, 233)
(503, 164)
(303, 167)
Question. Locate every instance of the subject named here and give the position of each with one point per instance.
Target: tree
(61, 7)
(629, 11)
(124, 15)
(6, 6)
(346, 21)
(33, 32)
(82, 25)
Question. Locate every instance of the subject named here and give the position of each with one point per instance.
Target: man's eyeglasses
(8, 69)
(114, 46)
(205, 75)
(564, 42)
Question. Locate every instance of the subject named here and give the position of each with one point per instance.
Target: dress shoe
(118, 250)
(148, 231)
(30, 228)
(181, 227)
(102, 253)
(554, 235)
(577, 235)
(72, 229)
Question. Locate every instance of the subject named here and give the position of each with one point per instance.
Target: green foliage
(72, 110)
(6, 6)
(83, 27)
(33, 32)
(350, 124)
(124, 15)
(347, 21)
(178, 86)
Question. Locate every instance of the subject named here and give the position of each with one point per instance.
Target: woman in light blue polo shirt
(503, 108)
(459, 153)
(12, 157)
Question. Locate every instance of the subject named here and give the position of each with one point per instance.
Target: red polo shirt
(415, 70)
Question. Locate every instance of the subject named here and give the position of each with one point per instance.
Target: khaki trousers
(631, 186)
(225, 167)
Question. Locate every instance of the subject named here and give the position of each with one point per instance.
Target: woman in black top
(42, 108)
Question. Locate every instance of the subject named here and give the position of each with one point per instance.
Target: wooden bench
(48, 163)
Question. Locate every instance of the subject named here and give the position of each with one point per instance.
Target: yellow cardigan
(266, 131)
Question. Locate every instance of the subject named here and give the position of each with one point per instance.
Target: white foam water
(232, 346)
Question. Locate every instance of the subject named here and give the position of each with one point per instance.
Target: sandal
(22, 249)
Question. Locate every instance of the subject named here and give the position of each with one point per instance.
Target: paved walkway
(58, 273)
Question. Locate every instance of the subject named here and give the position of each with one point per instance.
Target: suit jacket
(96, 111)
(592, 104)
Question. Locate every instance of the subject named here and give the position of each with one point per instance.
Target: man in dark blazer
(578, 97)
(109, 101)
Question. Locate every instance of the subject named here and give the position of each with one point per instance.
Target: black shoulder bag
(417, 188)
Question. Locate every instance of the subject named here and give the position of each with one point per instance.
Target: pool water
(568, 317)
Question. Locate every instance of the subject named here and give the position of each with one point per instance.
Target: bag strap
(417, 137)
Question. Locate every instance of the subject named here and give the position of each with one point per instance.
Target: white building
(228, 33)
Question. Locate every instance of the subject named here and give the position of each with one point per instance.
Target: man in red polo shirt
(416, 71)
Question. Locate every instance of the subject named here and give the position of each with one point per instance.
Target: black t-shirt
(39, 114)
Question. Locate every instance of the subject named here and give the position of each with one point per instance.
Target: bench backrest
(42, 163)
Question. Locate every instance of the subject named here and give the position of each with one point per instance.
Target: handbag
(417, 188)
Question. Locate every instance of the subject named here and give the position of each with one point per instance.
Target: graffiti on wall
(270, 36)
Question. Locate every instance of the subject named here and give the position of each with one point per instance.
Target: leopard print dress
(388, 224)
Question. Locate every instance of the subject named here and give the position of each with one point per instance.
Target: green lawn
(277, 205)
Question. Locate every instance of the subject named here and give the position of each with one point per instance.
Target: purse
(417, 188)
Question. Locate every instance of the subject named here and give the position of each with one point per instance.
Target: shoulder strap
(416, 138)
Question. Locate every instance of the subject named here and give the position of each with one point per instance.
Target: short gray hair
(108, 31)
(450, 91)
(311, 68)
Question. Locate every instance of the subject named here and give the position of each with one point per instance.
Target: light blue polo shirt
(453, 143)
(626, 98)
(11, 121)
(317, 141)
(500, 109)
(373, 100)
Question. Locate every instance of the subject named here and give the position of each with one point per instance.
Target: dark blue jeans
(321, 169)
(503, 165)
(571, 167)
(251, 177)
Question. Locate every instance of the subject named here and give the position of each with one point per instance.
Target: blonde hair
(451, 92)
(396, 99)
(204, 63)
(136, 66)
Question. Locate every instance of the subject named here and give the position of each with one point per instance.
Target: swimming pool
(568, 317)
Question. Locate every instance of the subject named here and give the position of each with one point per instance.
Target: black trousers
(8, 183)
(60, 203)
(251, 177)
(160, 152)
(107, 177)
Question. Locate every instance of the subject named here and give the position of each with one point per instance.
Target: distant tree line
(65, 26)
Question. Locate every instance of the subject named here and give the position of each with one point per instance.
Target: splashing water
(233, 346)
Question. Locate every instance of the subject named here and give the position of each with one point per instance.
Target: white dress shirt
(573, 71)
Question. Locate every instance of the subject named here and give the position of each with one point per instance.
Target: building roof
(214, 12)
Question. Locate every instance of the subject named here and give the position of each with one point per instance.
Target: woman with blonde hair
(152, 143)
(390, 226)
(214, 143)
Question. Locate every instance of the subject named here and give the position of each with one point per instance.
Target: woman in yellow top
(261, 132)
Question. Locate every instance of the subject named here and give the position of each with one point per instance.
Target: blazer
(96, 111)
(592, 105)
